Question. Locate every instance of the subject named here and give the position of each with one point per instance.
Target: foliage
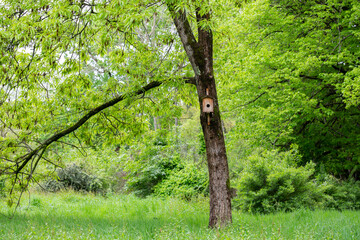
(189, 141)
(102, 163)
(165, 159)
(143, 181)
(271, 182)
(52, 185)
(149, 164)
(186, 183)
(289, 75)
(60, 60)
(340, 195)
(74, 177)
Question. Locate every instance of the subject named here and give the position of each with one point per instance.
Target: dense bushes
(188, 182)
(143, 181)
(271, 182)
(340, 195)
(165, 165)
(76, 178)
(168, 175)
(266, 181)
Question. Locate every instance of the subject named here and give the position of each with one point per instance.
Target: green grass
(75, 216)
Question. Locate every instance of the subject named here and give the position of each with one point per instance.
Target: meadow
(70, 215)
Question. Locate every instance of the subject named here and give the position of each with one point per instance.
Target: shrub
(52, 185)
(186, 183)
(76, 178)
(340, 195)
(272, 183)
(143, 181)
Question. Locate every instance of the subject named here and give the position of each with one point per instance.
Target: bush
(272, 183)
(52, 185)
(340, 195)
(76, 178)
(143, 181)
(186, 183)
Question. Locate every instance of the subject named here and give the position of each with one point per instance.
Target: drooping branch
(253, 100)
(26, 158)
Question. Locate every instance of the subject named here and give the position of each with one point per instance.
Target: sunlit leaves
(288, 70)
(61, 59)
(351, 87)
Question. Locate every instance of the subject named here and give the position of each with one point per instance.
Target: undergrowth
(70, 215)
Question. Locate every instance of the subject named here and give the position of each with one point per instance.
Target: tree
(47, 48)
(297, 82)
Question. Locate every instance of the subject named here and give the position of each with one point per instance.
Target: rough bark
(219, 182)
(200, 55)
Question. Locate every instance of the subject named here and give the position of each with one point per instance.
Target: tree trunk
(219, 182)
(200, 55)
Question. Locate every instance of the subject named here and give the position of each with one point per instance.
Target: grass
(75, 216)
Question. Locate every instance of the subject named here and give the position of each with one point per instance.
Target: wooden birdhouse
(208, 104)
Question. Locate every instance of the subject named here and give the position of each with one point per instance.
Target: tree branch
(253, 100)
(26, 158)
(81, 121)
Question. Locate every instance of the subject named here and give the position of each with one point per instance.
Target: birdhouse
(208, 104)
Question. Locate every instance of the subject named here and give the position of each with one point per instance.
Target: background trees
(295, 67)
